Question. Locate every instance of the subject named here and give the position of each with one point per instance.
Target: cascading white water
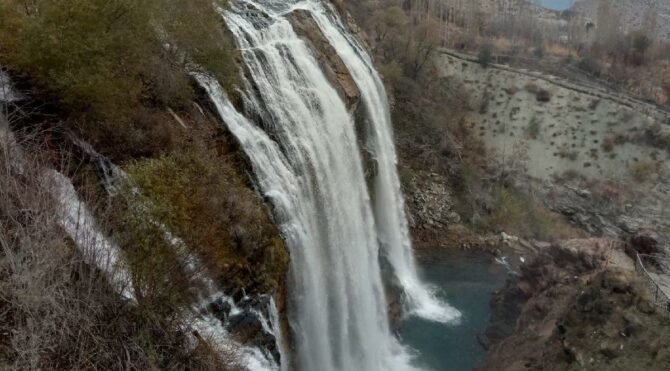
(313, 174)
(389, 205)
(80, 225)
(317, 188)
(74, 217)
(306, 161)
(7, 92)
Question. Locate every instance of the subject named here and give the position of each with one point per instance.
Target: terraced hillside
(558, 127)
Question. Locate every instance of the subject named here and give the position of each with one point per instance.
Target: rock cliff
(578, 305)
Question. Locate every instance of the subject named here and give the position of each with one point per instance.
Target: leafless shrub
(608, 144)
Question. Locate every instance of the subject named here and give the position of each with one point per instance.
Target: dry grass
(561, 51)
(521, 215)
(643, 171)
(502, 45)
(60, 313)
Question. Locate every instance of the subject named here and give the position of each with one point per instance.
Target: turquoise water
(557, 4)
(467, 283)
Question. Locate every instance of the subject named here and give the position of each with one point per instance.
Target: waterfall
(80, 225)
(7, 92)
(389, 205)
(306, 161)
(339, 313)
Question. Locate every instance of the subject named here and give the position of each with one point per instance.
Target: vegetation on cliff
(114, 65)
(59, 311)
(116, 74)
(205, 199)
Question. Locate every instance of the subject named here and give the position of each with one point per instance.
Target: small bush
(590, 66)
(641, 42)
(657, 135)
(393, 74)
(608, 144)
(511, 89)
(569, 154)
(542, 95)
(570, 175)
(643, 171)
(533, 129)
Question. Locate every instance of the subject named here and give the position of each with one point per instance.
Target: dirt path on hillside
(654, 110)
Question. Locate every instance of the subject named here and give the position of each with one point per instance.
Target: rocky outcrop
(576, 306)
(333, 66)
(430, 207)
(607, 210)
(431, 202)
(647, 241)
(558, 264)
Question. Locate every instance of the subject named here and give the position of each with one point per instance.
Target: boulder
(646, 241)
(611, 349)
(221, 309)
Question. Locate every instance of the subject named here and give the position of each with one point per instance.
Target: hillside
(651, 15)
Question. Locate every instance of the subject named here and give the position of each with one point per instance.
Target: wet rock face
(571, 308)
(248, 326)
(333, 66)
(247, 321)
(221, 309)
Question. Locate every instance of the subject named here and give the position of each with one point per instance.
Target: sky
(557, 4)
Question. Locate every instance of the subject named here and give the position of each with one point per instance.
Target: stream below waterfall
(467, 280)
